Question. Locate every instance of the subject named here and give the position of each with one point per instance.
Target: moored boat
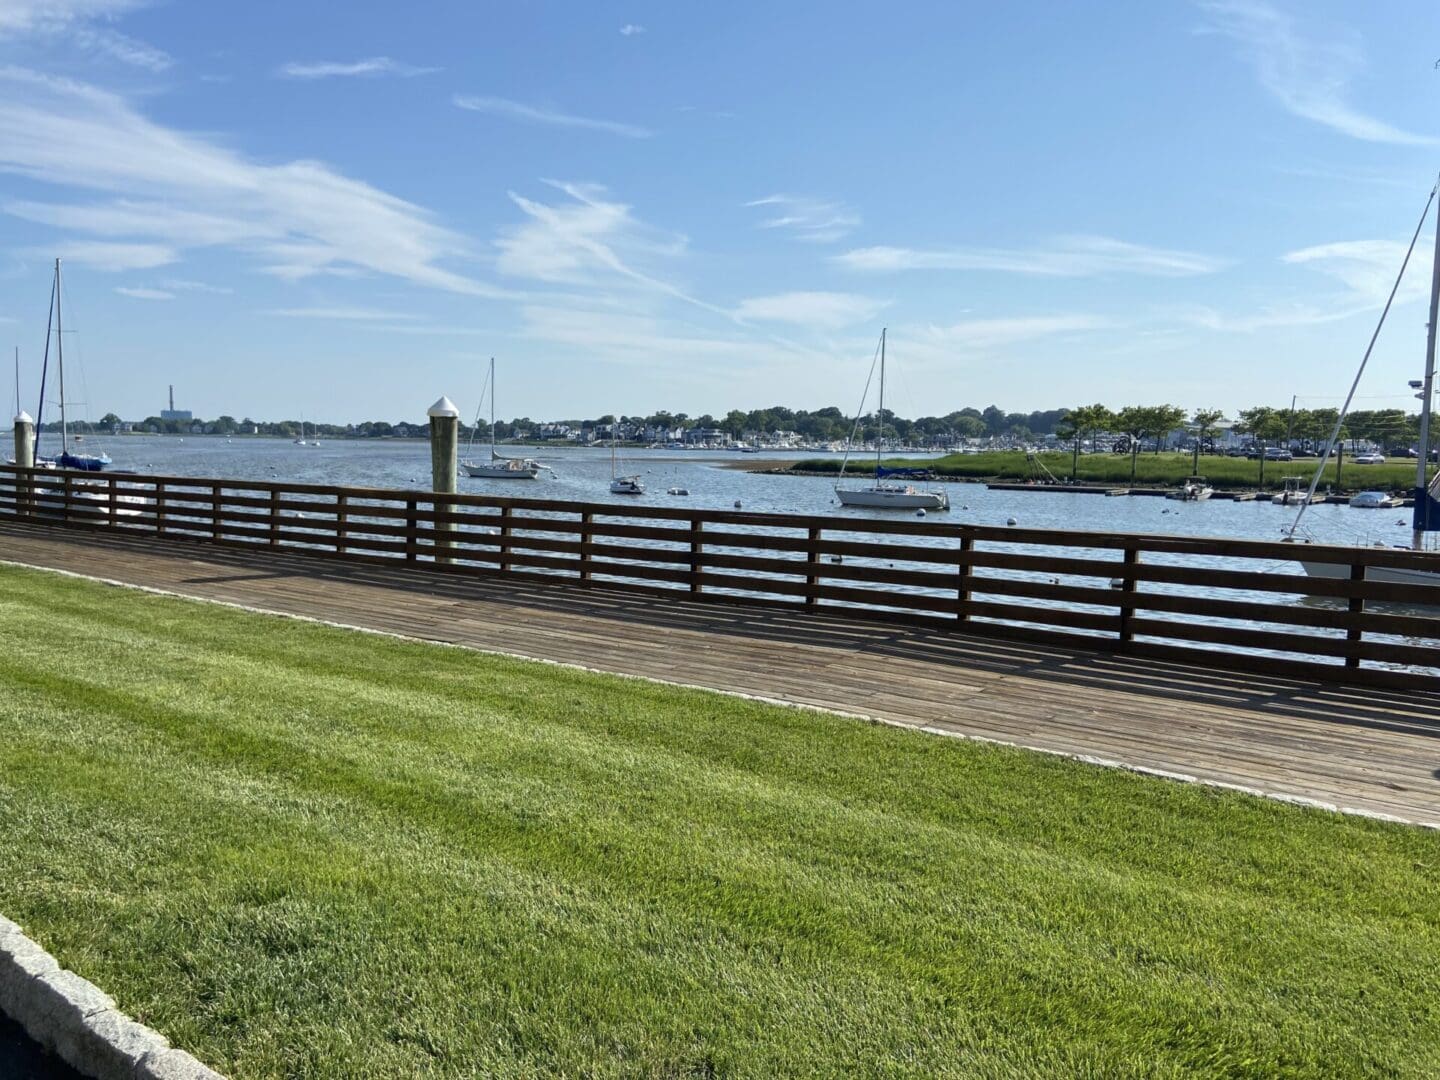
(497, 467)
(883, 494)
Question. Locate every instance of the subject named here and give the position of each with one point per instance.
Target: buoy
(1010, 521)
(737, 504)
(920, 513)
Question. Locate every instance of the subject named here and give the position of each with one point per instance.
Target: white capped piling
(24, 441)
(444, 449)
(24, 457)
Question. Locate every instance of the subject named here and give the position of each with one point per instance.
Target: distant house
(708, 435)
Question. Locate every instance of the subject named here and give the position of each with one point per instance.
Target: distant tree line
(1135, 426)
(1132, 429)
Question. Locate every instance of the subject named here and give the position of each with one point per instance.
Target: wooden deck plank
(1375, 751)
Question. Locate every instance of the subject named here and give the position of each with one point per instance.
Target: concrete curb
(78, 1022)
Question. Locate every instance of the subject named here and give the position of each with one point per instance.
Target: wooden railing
(1238, 604)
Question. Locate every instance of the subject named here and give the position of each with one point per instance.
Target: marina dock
(1366, 749)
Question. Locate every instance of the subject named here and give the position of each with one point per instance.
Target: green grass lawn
(1160, 470)
(302, 851)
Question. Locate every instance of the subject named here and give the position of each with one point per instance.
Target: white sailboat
(622, 485)
(1426, 518)
(301, 441)
(882, 495)
(497, 468)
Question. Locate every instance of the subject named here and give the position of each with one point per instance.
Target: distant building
(173, 413)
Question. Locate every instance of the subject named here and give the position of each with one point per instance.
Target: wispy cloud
(1307, 75)
(588, 239)
(347, 314)
(140, 292)
(631, 29)
(170, 191)
(1266, 318)
(1367, 268)
(989, 333)
(19, 17)
(113, 258)
(516, 110)
(817, 221)
(816, 310)
(76, 20)
(1363, 269)
(120, 47)
(185, 285)
(1066, 256)
(330, 69)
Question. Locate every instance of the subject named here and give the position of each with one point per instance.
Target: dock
(1364, 749)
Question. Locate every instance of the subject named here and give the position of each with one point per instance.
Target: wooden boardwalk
(1370, 750)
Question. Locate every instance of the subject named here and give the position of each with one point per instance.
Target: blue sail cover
(83, 462)
(905, 474)
(1427, 511)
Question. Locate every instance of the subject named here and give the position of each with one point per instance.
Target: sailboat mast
(493, 455)
(1427, 390)
(60, 361)
(880, 431)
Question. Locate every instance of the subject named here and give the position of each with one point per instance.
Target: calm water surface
(584, 475)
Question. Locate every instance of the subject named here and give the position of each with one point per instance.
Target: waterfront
(583, 475)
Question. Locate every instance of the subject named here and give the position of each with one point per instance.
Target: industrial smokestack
(172, 397)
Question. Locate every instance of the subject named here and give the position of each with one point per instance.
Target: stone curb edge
(79, 1023)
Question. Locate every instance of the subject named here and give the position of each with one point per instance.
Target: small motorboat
(1194, 489)
(1375, 500)
(678, 491)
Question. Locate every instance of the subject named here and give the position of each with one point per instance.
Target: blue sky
(645, 205)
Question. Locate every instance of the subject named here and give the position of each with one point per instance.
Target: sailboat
(1426, 519)
(66, 459)
(622, 485)
(882, 495)
(301, 441)
(497, 468)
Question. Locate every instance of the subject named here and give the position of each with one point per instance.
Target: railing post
(159, 507)
(697, 545)
(504, 537)
(341, 521)
(412, 542)
(812, 567)
(1356, 607)
(216, 530)
(274, 517)
(112, 499)
(586, 519)
(1127, 590)
(967, 572)
(65, 498)
(441, 529)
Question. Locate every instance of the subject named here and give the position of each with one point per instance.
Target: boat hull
(501, 472)
(881, 499)
(1393, 575)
